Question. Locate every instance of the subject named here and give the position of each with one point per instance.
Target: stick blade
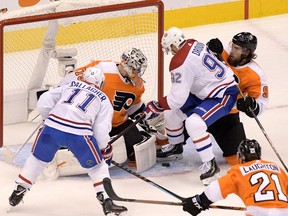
(109, 189)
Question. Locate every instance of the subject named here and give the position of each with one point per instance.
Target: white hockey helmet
(134, 59)
(95, 76)
(173, 36)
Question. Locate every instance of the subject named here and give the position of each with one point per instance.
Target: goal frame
(80, 12)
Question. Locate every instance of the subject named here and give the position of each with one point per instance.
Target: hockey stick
(219, 56)
(111, 192)
(126, 129)
(264, 132)
(9, 155)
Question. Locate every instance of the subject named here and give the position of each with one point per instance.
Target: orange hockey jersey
(262, 186)
(251, 80)
(124, 96)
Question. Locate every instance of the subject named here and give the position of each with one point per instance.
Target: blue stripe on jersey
(203, 148)
(174, 135)
(67, 125)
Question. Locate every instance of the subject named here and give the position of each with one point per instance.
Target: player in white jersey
(124, 87)
(203, 90)
(261, 185)
(77, 116)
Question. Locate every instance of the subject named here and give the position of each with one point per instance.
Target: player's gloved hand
(244, 105)
(215, 45)
(194, 205)
(107, 154)
(152, 110)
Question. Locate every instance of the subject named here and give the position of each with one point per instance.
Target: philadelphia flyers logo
(123, 100)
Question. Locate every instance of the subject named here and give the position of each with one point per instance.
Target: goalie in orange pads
(262, 185)
(124, 87)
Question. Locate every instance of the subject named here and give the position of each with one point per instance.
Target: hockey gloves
(244, 105)
(152, 110)
(107, 154)
(194, 205)
(215, 45)
(143, 123)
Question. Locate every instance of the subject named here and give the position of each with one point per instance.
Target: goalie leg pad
(145, 153)
(67, 163)
(119, 151)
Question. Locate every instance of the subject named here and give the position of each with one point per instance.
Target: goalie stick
(111, 193)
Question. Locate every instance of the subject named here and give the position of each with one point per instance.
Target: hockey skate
(109, 208)
(170, 152)
(210, 172)
(17, 195)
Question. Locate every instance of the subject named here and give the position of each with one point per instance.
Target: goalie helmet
(174, 36)
(134, 59)
(245, 40)
(95, 76)
(249, 150)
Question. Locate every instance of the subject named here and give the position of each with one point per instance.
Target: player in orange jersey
(240, 54)
(262, 185)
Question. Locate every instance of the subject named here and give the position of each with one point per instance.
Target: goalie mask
(134, 59)
(249, 150)
(174, 36)
(95, 76)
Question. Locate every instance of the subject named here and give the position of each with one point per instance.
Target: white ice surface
(74, 196)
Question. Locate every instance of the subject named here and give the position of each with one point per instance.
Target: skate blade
(170, 158)
(117, 214)
(207, 181)
(9, 209)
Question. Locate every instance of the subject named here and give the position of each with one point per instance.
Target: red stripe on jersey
(97, 184)
(66, 120)
(24, 179)
(92, 147)
(175, 129)
(201, 139)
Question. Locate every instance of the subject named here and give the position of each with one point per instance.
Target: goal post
(39, 43)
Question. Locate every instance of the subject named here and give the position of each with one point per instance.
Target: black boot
(109, 207)
(17, 195)
(210, 172)
(170, 152)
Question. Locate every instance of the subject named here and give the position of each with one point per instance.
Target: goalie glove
(107, 154)
(244, 105)
(152, 110)
(194, 205)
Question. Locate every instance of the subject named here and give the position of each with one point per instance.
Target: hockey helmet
(245, 40)
(173, 36)
(249, 150)
(134, 59)
(95, 76)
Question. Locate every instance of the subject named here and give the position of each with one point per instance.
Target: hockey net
(39, 43)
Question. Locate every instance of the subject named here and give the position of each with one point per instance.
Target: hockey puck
(166, 164)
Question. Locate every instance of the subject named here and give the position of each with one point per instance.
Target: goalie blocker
(66, 164)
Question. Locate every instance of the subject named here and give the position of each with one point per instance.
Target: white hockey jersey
(197, 71)
(78, 108)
